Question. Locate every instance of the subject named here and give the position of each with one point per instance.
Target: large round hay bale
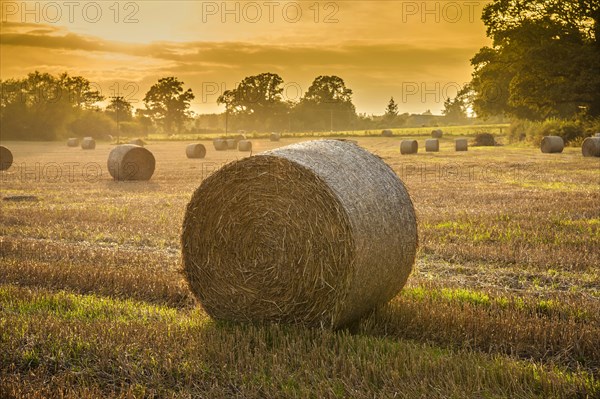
(387, 133)
(220, 144)
(131, 162)
(552, 144)
(245, 145)
(6, 158)
(195, 151)
(432, 145)
(139, 142)
(231, 144)
(591, 147)
(275, 137)
(461, 145)
(409, 147)
(88, 143)
(73, 142)
(437, 133)
(317, 233)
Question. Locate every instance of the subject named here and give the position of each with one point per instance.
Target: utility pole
(117, 102)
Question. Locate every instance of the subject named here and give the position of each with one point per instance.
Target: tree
(327, 105)
(168, 104)
(391, 111)
(120, 109)
(455, 109)
(79, 91)
(543, 62)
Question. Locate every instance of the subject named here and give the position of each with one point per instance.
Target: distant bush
(572, 132)
(483, 140)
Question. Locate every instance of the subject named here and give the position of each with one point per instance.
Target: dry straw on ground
(552, 144)
(275, 137)
(461, 145)
(387, 133)
(131, 162)
(88, 143)
(6, 158)
(195, 151)
(245, 145)
(317, 233)
(591, 147)
(409, 147)
(73, 142)
(220, 144)
(432, 145)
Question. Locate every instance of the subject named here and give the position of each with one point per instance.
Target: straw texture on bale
(88, 143)
(317, 233)
(409, 147)
(437, 133)
(461, 145)
(73, 142)
(195, 151)
(131, 162)
(220, 144)
(552, 145)
(387, 133)
(245, 145)
(6, 158)
(139, 142)
(231, 144)
(275, 137)
(591, 147)
(432, 145)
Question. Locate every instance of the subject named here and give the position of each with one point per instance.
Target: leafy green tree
(391, 111)
(79, 91)
(92, 123)
(168, 104)
(455, 109)
(544, 61)
(120, 109)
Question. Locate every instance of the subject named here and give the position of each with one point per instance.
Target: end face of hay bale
(275, 137)
(432, 145)
(73, 142)
(131, 162)
(88, 143)
(387, 133)
(138, 142)
(409, 147)
(195, 151)
(552, 145)
(251, 257)
(245, 145)
(461, 145)
(591, 147)
(437, 133)
(6, 158)
(220, 144)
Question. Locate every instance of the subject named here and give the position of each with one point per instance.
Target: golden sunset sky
(416, 51)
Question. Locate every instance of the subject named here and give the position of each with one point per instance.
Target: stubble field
(503, 301)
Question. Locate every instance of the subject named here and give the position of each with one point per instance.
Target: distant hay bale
(295, 235)
(387, 133)
(220, 144)
(6, 158)
(245, 145)
(597, 135)
(73, 142)
(88, 143)
(409, 147)
(484, 140)
(552, 145)
(591, 147)
(432, 145)
(195, 151)
(231, 144)
(139, 142)
(275, 137)
(437, 133)
(131, 162)
(461, 145)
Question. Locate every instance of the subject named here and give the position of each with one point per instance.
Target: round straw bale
(597, 135)
(409, 147)
(387, 133)
(220, 144)
(231, 144)
(245, 145)
(131, 162)
(437, 133)
(591, 147)
(296, 235)
(552, 144)
(73, 142)
(139, 142)
(195, 151)
(275, 137)
(432, 145)
(88, 143)
(461, 145)
(6, 158)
